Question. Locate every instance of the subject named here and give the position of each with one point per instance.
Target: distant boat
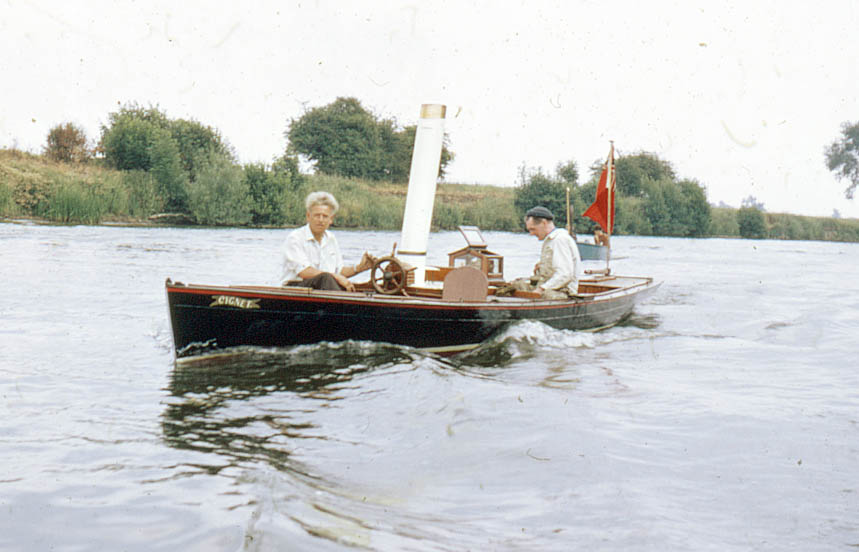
(445, 310)
(592, 252)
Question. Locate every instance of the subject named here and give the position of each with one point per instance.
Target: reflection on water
(645, 321)
(258, 371)
(205, 412)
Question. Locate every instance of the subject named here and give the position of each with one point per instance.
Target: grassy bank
(33, 186)
(88, 193)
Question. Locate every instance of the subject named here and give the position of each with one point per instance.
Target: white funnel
(422, 182)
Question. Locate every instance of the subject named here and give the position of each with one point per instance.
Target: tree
(128, 139)
(660, 196)
(751, 222)
(195, 141)
(723, 222)
(396, 151)
(695, 209)
(166, 167)
(842, 157)
(536, 188)
(676, 208)
(127, 143)
(632, 217)
(632, 170)
(67, 143)
(568, 173)
(343, 138)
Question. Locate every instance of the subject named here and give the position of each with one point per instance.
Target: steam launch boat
(445, 310)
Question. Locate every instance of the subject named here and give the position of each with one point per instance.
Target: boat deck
(591, 288)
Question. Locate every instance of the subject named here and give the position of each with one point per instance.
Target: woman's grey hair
(321, 198)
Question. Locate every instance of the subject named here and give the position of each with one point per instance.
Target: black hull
(209, 318)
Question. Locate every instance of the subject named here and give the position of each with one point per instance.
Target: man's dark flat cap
(540, 212)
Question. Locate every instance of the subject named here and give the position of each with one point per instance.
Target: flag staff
(569, 224)
(610, 210)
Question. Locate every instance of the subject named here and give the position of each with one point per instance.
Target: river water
(724, 415)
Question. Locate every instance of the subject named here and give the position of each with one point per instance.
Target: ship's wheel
(388, 276)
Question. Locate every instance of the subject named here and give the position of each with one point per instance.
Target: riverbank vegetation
(147, 169)
(33, 186)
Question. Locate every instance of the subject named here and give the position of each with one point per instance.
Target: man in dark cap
(556, 276)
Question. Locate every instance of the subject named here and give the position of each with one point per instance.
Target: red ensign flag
(602, 210)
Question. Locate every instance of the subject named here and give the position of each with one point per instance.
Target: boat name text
(230, 301)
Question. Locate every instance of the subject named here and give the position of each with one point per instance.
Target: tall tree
(695, 208)
(633, 170)
(345, 139)
(842, 157)
(196, 142)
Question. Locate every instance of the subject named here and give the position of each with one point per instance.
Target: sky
(742, 97)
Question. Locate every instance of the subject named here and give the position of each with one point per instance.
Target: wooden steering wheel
(388, 276)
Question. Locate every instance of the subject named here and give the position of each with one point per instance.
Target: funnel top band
(433, 111)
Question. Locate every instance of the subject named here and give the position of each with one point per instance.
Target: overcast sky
(741, 96)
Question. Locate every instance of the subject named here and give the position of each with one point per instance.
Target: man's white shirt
(301, 250)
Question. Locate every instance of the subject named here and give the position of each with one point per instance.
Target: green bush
(723, 222)
(270, 190)
(536, 188)
(751, 223)
(127, 144)
(194, 142)
(220, 196)
(631, 217)
(166, 169)
(675, 208)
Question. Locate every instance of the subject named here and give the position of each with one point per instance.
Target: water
(722, 416)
